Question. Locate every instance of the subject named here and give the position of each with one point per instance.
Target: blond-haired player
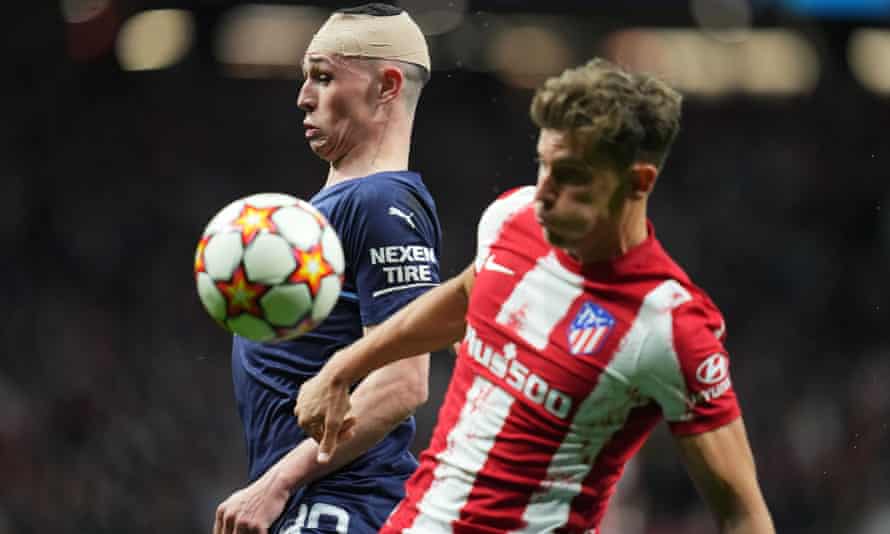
(364, 71)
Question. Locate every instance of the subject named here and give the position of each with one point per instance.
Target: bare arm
(721, 464)
(431, 322)
(382, 401)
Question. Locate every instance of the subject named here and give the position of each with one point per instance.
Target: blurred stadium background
(128, 123)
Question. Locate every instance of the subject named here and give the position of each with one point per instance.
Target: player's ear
(391, 82)
(642, 179)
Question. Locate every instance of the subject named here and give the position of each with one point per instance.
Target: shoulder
(682, 363)
(698, 326)
(682, 323)
(506, 205)
(385, 184)
(372, 196)
(510, 201)
(692, 310)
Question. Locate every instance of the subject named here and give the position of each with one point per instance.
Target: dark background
(116, 409)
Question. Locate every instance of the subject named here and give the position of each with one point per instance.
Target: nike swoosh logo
(492, 265)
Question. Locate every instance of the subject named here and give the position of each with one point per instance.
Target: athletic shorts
(333, 506)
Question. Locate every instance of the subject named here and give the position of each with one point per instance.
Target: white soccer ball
(269, 267)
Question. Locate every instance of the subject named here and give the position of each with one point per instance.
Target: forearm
(431, 322)
(722, 466)
(753, 522)
(382, 401)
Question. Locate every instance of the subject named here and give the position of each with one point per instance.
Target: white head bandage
(394, 37)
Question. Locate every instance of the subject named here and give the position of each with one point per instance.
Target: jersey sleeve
(687, 373)
(494, 217)
(393, 249)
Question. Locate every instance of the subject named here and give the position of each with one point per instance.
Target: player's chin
(557, 239)
(320, 149)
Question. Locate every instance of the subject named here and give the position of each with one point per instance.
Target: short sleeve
(394, 250)
(686, 369)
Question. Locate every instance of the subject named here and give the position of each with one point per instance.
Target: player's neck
(386, 149)
(615, 236)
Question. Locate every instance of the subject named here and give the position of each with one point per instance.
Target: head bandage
(395, 37)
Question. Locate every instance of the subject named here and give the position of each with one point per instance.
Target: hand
(322, 412)
(253, 509)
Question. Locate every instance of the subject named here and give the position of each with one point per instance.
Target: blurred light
(525, 56)
(257, 40)
(155, 39)
(436, 17)
(91, 27)
(726, 20)
(684, 58)
(868, 53)
(78, 11)
(778, 62)
(769, 62)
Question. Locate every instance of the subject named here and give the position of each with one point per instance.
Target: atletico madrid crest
(589, 329)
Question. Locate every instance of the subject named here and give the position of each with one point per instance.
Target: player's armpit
(721, 464)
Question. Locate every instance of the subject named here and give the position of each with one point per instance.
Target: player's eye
(568, 172)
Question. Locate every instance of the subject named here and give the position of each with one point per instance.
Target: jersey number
(309, 517)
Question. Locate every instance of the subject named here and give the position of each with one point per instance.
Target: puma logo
(401, 214)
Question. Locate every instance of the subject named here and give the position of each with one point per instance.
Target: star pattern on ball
(253, 219)
(241, 295)
(200, 266)
(312, 268)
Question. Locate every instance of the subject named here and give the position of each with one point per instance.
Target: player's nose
(305, 98)
(545, 193)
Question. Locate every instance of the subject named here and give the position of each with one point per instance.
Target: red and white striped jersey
(564, 371)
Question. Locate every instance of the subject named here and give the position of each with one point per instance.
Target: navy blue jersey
(390, 233)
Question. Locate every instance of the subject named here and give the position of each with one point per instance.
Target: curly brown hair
(617, 117)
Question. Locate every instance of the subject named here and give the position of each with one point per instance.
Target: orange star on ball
(252, 219)
(200, 266)
(313, 268)
(242, 295)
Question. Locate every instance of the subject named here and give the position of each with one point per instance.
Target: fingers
(321, 412)
(312, 424)
(249, 528)
(225, 521)
(328, 443)
(347, 431)
(228, 522)
(222, 517)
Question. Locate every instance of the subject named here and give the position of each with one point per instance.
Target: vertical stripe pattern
(537, 304)
(602, 414)
(482, 416)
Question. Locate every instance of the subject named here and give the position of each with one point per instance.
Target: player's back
(561, 376)
(388, 226)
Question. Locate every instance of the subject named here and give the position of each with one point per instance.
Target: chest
(550, 336)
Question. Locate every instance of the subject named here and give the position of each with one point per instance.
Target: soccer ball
(269, 267)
